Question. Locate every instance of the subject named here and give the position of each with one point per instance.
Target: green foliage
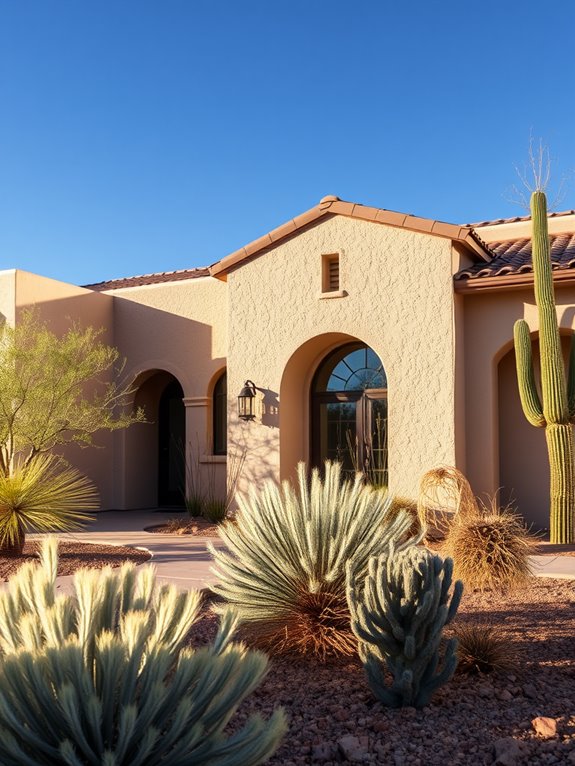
(101, 677)
(485, 649)
(557, 411)
(284, 567)
(43, 495)
(215, 511)
(398, 614)
(490, 549)
(55, 390)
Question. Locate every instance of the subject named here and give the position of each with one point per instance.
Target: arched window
(349, 412)
(219, 416)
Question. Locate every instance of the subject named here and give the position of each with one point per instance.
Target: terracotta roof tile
(514, 257)
(149, 279)
(517, 219)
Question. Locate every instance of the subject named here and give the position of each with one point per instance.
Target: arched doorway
(349, 412)
(155, 450)
(171, 445)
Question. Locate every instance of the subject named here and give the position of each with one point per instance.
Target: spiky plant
(44, 495)
(491, 549)
(484, 649)
(284, 567)
(101, 678)
(398, 614)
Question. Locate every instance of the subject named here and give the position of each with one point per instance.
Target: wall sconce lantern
(246, 400)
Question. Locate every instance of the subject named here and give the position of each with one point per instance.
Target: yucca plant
(43, 495)
(284, 567)
(101, 677)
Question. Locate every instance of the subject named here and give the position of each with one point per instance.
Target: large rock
(507, 752)
(353, 748)
(545, 727)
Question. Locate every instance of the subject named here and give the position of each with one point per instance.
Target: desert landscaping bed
(334, 718)
(74, 556)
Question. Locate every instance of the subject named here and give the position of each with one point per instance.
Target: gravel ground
(73, 556)
(194, 525)
(335, 719)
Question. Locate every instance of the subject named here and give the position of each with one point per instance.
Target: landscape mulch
(334, 718)
(73, 556)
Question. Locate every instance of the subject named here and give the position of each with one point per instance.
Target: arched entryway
(155, 450)
(349, 412)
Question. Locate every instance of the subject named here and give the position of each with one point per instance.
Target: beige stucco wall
(502, 450)
(399, 301)
(179, 328)
(61, 304)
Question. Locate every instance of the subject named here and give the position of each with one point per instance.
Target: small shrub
(215, 511)
(102, 676)
(398, 613)
(284, 567)
(445, 495)
(491, 549)
(484, 649)
(43, 495)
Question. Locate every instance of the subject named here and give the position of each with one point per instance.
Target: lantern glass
(246, 400)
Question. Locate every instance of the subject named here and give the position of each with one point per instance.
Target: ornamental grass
(284, 570)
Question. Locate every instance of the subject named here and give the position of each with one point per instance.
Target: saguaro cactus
(558, 408)
(398, 615)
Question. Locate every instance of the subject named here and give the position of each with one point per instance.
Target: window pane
(351, 368)
(219, 403)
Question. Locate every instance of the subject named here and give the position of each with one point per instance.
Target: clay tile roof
(517, 219)
(332, 205)
(514, 257)
(149, 279)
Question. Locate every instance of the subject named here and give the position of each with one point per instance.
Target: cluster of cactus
(102, 677)
(284, 566)
(557, 411)
(398, 614)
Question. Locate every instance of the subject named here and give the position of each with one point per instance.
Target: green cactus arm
(528, 394)
(571, 380)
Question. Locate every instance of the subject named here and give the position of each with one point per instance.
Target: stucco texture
(178, 328)
(399, 301)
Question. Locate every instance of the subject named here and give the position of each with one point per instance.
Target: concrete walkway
(185, 560)
(180, 559)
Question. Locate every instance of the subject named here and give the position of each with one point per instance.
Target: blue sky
(140, 136)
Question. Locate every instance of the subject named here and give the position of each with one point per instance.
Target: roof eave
(508, 282)
(334, 206)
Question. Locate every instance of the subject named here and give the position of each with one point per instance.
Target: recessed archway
(155, 450)
(296, 410)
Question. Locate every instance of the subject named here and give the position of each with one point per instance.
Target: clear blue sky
(140, 135)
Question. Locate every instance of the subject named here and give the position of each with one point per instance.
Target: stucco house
(368, 335)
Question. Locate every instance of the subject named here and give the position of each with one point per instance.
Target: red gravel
(73, 556)
(326, 703)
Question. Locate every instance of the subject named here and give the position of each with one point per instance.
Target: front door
(172, 446)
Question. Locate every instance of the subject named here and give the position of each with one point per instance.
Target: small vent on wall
(330, 273)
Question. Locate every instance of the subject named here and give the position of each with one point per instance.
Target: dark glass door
(171, 447)
(349, 413)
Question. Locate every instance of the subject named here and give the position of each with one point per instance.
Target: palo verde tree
(554, 410)
(53, 391)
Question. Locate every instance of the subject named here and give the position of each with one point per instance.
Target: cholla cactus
(398, 615)
(101, 677)
(284, 567)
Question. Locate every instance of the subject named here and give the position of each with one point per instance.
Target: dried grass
(491, 549)
(444, 496)
(485, 649)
